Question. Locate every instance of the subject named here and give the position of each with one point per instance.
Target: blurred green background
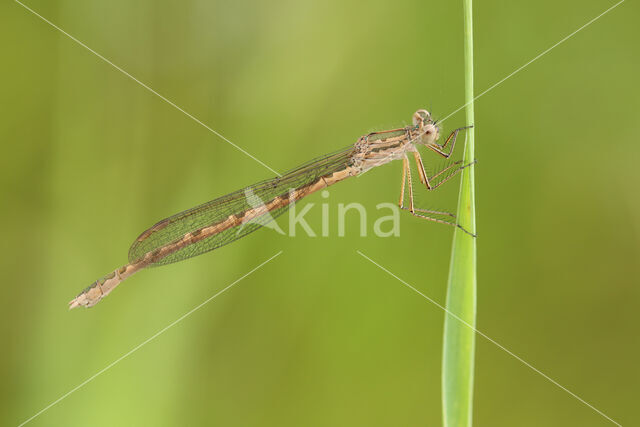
(319, 336)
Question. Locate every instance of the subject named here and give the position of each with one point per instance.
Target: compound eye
(421, 117)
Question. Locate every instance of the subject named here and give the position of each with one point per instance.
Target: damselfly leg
(428, 214)
(452, 137)
(433, 182)
(406, 178)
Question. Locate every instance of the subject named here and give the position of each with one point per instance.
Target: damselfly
(228, 218)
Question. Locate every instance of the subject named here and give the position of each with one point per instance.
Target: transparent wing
(171, 229)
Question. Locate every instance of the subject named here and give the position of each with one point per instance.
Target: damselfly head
(426, 127)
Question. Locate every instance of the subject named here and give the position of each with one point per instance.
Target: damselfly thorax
(228, 218)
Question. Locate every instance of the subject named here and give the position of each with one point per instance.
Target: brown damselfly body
(228, 218)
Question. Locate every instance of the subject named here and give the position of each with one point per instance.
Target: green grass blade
(459, 338)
